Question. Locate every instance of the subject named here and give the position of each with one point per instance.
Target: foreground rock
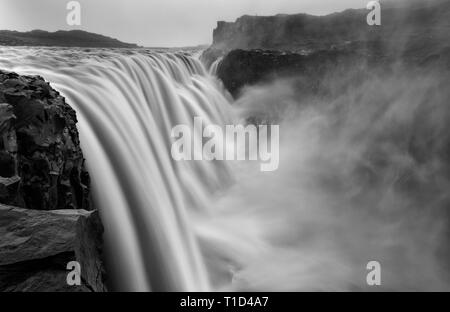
(42, 171)
(35, 247)
(41, 163)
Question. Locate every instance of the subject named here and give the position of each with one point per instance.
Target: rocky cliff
(256, 49)
(240, 68)
(411, 25)
(42, 171)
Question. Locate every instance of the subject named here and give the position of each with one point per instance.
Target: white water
(311, 225)
(127, 104)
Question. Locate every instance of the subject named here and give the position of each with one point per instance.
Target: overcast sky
(155, 22)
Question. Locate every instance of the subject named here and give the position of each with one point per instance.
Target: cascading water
(214, 66)
(363, 175)
(127, 104)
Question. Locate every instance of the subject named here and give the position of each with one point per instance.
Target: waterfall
(127, 103)
(363, 175)
(214, 66)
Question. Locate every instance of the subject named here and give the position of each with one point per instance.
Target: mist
(364, 175)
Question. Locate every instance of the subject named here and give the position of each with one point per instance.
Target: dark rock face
(42, 166)
(61, 38)
(240, 67)
(35, 247)
(42, 171)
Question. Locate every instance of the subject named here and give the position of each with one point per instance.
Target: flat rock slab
(32, 234)
(34, 243)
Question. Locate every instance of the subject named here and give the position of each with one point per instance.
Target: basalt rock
(241, 68)
(42, 171)
(41, 162)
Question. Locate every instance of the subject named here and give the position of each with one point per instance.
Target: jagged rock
(35, 247)
(39, 147)
(42, 171)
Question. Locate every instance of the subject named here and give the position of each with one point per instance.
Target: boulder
(36, 246)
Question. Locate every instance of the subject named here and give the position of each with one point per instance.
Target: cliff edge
(47, 218)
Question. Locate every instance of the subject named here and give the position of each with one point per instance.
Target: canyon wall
(258, 48)
(303, 33)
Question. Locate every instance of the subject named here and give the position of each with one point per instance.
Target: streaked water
(127, 103)
(348, 191)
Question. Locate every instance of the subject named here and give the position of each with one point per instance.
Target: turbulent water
(337, 202)
(127, 103)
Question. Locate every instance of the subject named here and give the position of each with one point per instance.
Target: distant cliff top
(416, 24)
(72, 38)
